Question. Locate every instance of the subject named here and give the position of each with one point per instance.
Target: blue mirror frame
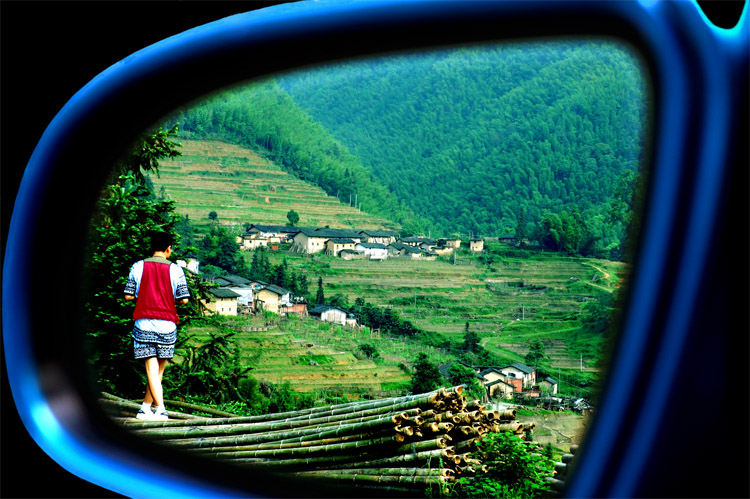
(698, 162)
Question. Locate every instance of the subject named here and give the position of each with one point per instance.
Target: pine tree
(320, 296)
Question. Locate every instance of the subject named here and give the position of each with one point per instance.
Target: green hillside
(241, 186)
(468, 137)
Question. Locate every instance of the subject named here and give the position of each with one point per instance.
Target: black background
(49, 50)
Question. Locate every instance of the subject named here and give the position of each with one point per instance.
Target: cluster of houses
(350, 243)
(524, 385)
(507, 381)
(237, 295)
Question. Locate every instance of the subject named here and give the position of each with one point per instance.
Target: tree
(293, 218)
(320, 297)
(515, 468)
(521, 227)
(218, 248)
(212, 215)
(536, 353)
(425, 376)
(459, 374)
(368, 350)
(471, 341)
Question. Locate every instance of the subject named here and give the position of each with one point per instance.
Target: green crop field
(314, 357)
(509, 303)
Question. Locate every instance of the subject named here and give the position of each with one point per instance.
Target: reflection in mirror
(399, 267)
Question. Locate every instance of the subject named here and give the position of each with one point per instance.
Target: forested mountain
(263, 117)
(469, 137)
(471, 140)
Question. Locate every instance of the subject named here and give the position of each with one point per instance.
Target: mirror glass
(438, 239)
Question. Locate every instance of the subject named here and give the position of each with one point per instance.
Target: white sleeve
(179, 283)
(134, 279)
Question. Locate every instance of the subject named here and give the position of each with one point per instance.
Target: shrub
(516, 469)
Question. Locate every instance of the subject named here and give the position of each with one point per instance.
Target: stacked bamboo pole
(562, 468)
(403, 444)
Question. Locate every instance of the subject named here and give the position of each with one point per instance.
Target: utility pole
(581, 362)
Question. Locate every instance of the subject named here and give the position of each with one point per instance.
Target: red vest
(155, 295)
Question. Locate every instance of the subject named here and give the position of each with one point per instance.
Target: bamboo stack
(403, 444)
(562, 468)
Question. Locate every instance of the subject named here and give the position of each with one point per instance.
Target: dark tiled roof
(223, 293)
(330, 233)
(373, 245)
(405, 247)
(319, 309)
(418, 240)
(521, 367)
(235, 279)
(274, 228)
(379, 233)
(276, 289)
(489, 370)
(341, 240)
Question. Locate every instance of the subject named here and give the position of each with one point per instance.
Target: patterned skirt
(154, 338)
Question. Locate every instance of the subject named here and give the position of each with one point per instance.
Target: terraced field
(241, 186)
(313, 359)
(537, 298)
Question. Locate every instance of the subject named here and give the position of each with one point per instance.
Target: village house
(449, 243)
(400, 250)
(491, 374)
(258, 235)
(419, 241)
(310, 241)
(501, 388)
(306, 241)
(549, 385)
(329, 313)
(272, 298)
(191, 264)
(239, 285)
(273, 233)
(443, 250)
(383, 237)
(251, 241)
(476, 245)
(297, 307)
(507, 239)
(336, 244)
(373, 251)
(517, 370)
(222, 302)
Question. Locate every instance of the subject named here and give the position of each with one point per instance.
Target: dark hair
(160, 241)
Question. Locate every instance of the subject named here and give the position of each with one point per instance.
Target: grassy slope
(506, 316)
(241, 186)
(437, 296)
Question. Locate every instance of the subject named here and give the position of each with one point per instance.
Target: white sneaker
(144, 416)
(160, 416)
